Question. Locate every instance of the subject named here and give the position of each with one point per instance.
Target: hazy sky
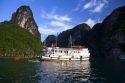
(54, 16)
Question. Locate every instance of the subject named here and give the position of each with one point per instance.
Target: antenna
(56, 39)
(45, 43)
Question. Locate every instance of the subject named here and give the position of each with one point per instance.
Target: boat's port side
(66, 54)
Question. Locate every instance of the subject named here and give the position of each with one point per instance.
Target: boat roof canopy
(78, 47)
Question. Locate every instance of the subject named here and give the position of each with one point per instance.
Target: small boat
(34, 61)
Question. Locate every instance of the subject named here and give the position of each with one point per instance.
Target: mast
(70, 41)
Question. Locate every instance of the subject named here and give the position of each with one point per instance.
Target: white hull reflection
(75, 70)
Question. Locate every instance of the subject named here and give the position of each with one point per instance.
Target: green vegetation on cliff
(16, 41)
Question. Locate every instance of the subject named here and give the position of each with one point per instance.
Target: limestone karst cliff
(78, 34)
(24, 18)
(20, 37)
(113, 38)
(50, 40)
(107, 39)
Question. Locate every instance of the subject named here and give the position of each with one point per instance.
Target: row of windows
(60, 51)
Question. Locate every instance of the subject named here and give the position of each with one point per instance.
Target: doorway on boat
(80, 58)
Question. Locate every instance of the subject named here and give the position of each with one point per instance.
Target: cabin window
(60, 51)
(65, 51)
(75, 51)
(52, 51)
(55, 50)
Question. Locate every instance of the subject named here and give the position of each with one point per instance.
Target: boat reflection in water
(63, 72)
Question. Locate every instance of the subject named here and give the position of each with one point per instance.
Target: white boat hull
(71, 54)
(46, 58)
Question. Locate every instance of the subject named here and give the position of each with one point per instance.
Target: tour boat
(76, 53)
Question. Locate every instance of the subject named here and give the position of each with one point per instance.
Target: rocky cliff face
(94, 40)
(108, 37)
(113, 38)
(24, 18)
(78, 35)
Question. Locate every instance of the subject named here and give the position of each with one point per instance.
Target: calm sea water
(27, 71)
